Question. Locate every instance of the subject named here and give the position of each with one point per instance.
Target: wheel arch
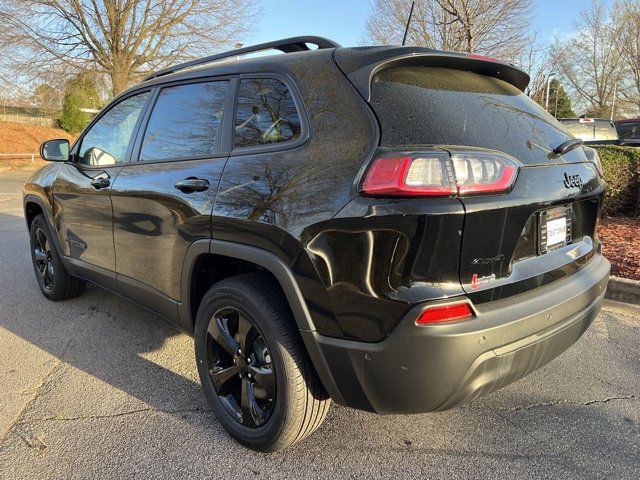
(35, 205)
(258, 256)
(283, 275)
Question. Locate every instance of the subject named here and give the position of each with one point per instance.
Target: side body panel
(154, 223)
(38, 190)
(279, 200)
(83, 216)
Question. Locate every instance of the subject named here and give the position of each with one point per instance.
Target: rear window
(629, 130)
(441, 106)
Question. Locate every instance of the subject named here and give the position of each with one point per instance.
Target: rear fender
(287, 281)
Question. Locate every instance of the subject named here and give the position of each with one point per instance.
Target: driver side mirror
(55, 150)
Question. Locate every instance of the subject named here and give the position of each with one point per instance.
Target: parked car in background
(628, 131)
(591, 130)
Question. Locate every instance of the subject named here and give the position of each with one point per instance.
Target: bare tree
(121, 38)
(590, 63)
(628, 44)
(535, 59)
(47, 99)
(490, 27)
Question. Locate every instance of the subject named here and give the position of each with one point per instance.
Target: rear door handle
(101, 181)
(192, 184)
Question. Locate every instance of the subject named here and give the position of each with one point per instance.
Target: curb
(623, 290)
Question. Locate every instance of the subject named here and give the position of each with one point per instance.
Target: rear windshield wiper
(567, 146)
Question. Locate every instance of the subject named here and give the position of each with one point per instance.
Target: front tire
(254, 370)
(53, 279)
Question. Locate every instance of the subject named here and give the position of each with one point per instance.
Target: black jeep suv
(394, 228)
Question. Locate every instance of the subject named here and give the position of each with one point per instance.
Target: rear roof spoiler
(361, 64)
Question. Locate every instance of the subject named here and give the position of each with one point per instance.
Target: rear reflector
(439, 173)
(445, 313)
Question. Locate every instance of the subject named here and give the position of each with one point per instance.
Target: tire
(299, 403)
(53, 279)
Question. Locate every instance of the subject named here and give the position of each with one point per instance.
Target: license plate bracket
(554, 228)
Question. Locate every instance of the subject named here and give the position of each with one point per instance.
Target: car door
(163, 201)
(83, 213)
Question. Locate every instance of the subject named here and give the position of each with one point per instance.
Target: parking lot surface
(96, 387)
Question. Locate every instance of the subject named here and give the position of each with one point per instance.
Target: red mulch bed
(620, 237)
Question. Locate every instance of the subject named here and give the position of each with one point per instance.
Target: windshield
(442, 106)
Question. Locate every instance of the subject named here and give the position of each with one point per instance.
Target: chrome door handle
(192, 184)
(101, 181)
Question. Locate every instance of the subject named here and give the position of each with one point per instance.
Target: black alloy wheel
(43, 259)
(253, 367)
(239, 363)
(53, 279)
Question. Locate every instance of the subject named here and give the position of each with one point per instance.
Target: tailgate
(504, 249)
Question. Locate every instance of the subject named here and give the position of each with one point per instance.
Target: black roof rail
(286, 45)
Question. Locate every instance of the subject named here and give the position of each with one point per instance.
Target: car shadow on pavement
(114, 341)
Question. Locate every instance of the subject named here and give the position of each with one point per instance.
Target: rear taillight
(445, 313)
(440, 173)
(410, 175)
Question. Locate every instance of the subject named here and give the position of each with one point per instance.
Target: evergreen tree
(80, 92)
(559, 102)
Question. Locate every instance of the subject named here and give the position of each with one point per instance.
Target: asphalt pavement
(96, 387)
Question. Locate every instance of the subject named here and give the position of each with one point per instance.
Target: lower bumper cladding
(435, 367)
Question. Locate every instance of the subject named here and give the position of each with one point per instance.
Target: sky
(344, 20)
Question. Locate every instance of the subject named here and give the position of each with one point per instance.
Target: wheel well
(212, 268)
(31, 210)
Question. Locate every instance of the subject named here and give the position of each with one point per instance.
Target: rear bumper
(426, 368)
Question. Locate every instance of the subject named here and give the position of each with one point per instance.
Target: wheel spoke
(41, 240)
(45, 274)
(244, 327)
(219, 330)
(230, 405)
(221, 375)
(40, 255)
(252, 414)
(264, 378)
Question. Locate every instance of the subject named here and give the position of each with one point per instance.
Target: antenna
(406, 30)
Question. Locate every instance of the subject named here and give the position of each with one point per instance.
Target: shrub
(621, 168)
(80, 93)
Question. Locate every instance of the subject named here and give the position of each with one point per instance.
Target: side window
(265, 113)
(185, 121)
(107, 140)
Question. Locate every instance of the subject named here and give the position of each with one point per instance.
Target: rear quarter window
(265, 113)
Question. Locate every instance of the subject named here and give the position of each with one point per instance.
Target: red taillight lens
(409, 175)
(438, 173)
(445, 313)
